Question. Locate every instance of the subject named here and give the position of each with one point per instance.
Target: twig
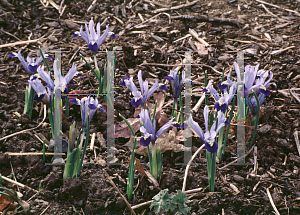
(272, 14)
(294, 95)
(156, 3)
(237, 23)
(90, 7)
(237, 159)
(176, 7)
(11, 135)
(297, 141)
(255, 161)
(45, 209)
(9, 34)
(17, 183)
(271, 200)
(188, 166)
(273, 5)
(19, 43)
(92, 141)
(200, 101)
(276, 52)
(194, 34)
(113, 184)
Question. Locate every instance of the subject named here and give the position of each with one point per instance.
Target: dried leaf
(122, 130)
(168, 141)
(201, 49)
(138, 166)
(6, 203)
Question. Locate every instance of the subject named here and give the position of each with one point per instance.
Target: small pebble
(272, 169)
(238, 178)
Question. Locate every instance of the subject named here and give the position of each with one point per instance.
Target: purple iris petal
(93, 47)
(33, 68)
(145, 142)
(221, 107)
(123, 82)
(265, 91)
(136, 103)
(39, 98)
(169, 78)
(76, 34)
(163, 87)
(75, 101)
(222, 86)
(211, 149)
(12, 55)
(101, 108)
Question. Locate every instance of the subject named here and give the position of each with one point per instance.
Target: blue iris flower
(209, 136)
(93, 39)
(149, 128)
(140, 97)
(176, 83)
(31, 65)
(88, 105)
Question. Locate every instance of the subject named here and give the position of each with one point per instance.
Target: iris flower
(175, 83)
(140, 97)
(149, 128)
(263, 92)
(93, 39)
(209, 136)
(225, 99)
(88, 105)
(41, 92)
(31, 65)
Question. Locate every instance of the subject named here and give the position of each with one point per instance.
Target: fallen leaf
(138, 166)
(168, 141)
(6, 203)
(122, 129)
(201, 49)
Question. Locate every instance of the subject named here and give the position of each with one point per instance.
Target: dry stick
(294, 95)
(156, 3)
(271, 200)
(200, 101)
(276, 52)
(172, 65)
(45, 209)
(113, 184)
(297, 141)
(11, 135)
(234, 22)
(188, 166)
(194, 34)
(146, 20)
(9, 34)
(273, 5)
(272, 14)
(18, 183)
(237, 159)
(176, 7)
(19, 43)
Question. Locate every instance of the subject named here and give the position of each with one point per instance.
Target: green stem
(85, 144)
(228, 126)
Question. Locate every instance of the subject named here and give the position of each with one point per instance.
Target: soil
(154, 41)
